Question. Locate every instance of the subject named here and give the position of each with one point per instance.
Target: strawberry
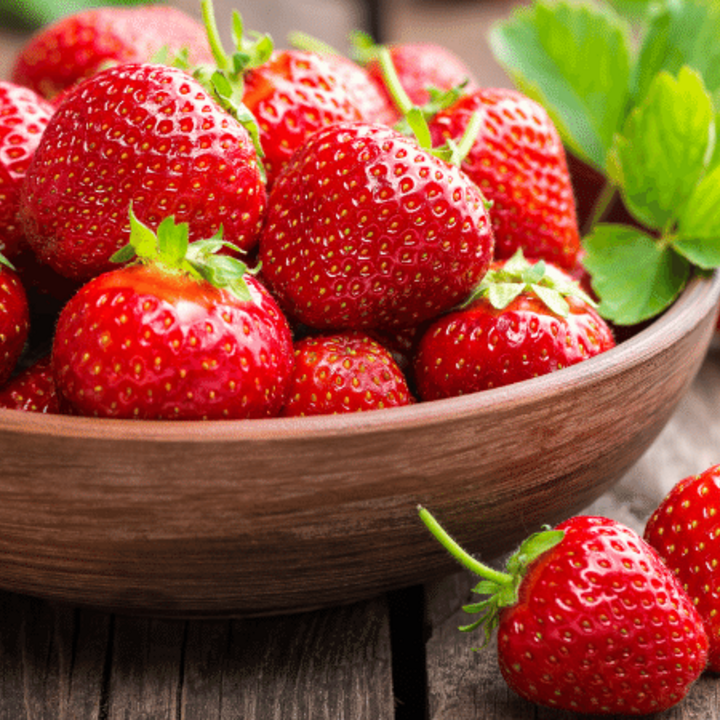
(23, 117)
(14, 319)
(144, 134)
(32, 389)
(684, 531)
(524, 320)
(519, 163)
(419, 66)
(366, 229)
(183, 334)
(588, 619)
(79, 45)
(344, 372)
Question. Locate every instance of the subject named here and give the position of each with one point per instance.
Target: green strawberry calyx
(503, 284)
(502, 588)
(171, 249)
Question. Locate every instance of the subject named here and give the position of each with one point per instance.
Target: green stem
(216, 46)
(475, 566)
(392, 82)
(603, 202)
(303, 41)
(469, 137)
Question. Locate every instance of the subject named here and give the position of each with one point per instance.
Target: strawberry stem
(469, 562)
(303, 41)
(216, 47)
(392, 81)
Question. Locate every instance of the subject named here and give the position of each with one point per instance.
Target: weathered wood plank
(467, 685)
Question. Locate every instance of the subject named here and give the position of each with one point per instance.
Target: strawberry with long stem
(588, 619)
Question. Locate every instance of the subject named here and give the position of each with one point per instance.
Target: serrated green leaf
(635, 276)
(677, 34)
(698, 231)
(575, 59)
(665, 147)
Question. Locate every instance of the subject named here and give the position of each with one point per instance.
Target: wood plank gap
(181, 675)
(104, 711)
(407, 644)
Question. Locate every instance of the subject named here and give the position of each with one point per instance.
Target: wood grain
(467, 685)
(60, 663)
(269, 516)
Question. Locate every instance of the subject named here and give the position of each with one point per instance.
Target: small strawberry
(684, 531)
(31, 389)
(366, 229)
(341, 373)
(183, 334)
(14, 319)
(588, 620)
(79, 45)
(419, 66)
(519, 163)
(23, 117)
(144, 134)
(524, 320)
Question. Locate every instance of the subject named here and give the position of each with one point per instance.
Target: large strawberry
(519, 163)
(366, 229)
(684, 530)
(183, 334)
(524, 320)
(144, 134)
(14, 319)
(588, 619)
(23, 117)
(344, 372)
(80, 44)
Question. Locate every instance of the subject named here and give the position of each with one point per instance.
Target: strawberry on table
(589, 619)
(522, 321)
(14, 319)
(684, 530)
(519, 163)
(23, 118)
(79, 45)
(185, 333)
(144, 134)
(344, 372)
(31, 389)
(366, 229)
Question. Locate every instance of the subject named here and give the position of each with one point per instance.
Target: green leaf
(665, 147)
(553, 299)
(678, 34)
(698, 231)
(537, 544)
(172, 241)
(142, 239)
(576, 60)
(501, 295)
(635, 276)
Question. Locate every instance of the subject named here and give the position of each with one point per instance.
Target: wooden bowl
(234, 518)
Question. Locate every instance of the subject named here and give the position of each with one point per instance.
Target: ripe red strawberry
(291, 96)
(14, 319)
(588, 620)
(32, 389)
(77, 46)
(146, 135)
(23, 117)
(519, 163)
(684, 531)
(523, 321)
(418, 67)
(365, 229)
(344, 372)
(185, 334)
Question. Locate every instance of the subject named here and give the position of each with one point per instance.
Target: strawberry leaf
(636, 276)
(665, 147)
(576, 60)
(677, 34)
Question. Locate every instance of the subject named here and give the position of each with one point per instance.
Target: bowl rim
(659, 335)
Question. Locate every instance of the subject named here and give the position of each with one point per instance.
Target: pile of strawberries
(274, 232)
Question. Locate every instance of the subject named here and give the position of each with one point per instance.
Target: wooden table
(395, 657)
